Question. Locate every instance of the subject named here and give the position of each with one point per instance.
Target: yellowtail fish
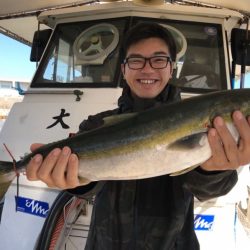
(170, 139)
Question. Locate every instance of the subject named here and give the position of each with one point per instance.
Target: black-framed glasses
(156, 62)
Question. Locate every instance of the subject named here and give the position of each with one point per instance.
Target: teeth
(147, 81)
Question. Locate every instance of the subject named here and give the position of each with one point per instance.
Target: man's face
(147, 82)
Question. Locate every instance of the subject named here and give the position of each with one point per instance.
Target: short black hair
(144, 30)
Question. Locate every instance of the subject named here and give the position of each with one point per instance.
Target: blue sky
(14, 60)
(246, 83)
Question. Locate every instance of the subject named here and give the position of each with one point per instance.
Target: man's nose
(147, 67)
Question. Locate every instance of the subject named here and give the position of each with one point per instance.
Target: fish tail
(7, 175)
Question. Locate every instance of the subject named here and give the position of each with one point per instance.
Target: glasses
(156, 62)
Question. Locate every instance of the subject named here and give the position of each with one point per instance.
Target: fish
(167, 140)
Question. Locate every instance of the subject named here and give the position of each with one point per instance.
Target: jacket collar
(127, 103)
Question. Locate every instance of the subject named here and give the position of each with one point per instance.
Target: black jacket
(148, 214)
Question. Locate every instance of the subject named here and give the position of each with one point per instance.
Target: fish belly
(146, 163)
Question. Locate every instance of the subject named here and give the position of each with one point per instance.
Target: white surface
(20, 230)
(25, 26)
(26, 123)
(16, 6)
(226, 233)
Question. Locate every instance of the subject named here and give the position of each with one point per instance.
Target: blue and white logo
(30, 206)
(203, 222)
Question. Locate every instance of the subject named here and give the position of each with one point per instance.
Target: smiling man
(154, 213)
(148, 67)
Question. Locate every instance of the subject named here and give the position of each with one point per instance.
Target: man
(154, 213)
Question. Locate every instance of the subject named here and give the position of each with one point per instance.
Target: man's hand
(59, 169)
(227, 154)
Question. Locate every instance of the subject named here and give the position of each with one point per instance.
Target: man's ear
(172, 69)
(171, 73)
(123, 70)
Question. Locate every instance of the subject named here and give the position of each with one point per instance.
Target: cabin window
(86, 54)
(82, 54)
(201, 65)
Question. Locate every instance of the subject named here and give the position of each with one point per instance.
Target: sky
(14, 60)
(246, 82)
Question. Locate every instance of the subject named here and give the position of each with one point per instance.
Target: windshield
(86, 54)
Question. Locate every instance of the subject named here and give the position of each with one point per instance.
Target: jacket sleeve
(207, 185)
(87, 191)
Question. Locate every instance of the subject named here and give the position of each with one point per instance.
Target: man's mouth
(147, 81)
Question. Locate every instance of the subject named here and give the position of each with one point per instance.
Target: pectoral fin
(184, 171)
(189, 142)
(83, 181)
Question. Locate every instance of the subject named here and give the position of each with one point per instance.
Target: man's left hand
(227, 154)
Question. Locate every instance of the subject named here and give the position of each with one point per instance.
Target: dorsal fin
(114, 119)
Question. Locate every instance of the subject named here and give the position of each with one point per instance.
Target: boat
(76, 47)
